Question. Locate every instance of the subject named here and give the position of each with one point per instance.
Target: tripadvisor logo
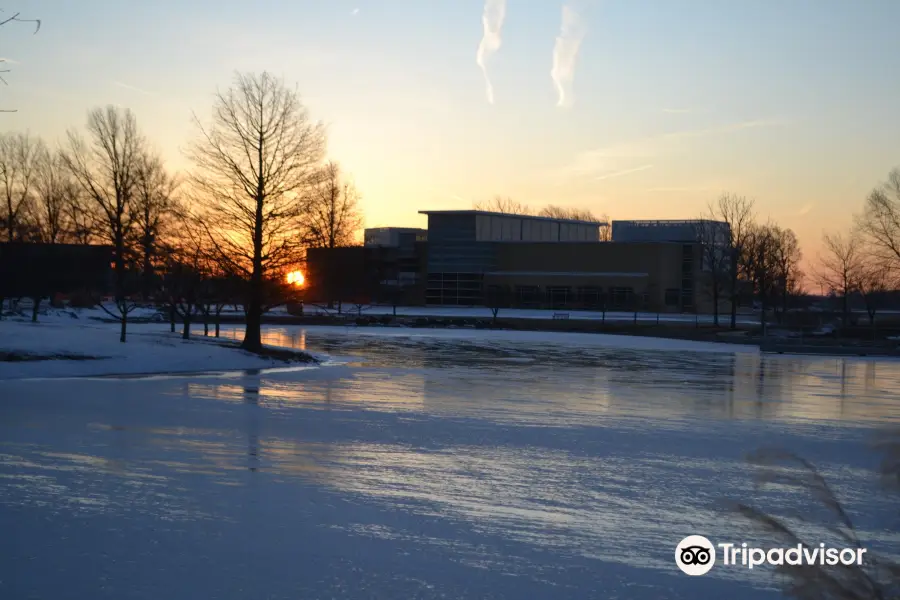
(696, 555)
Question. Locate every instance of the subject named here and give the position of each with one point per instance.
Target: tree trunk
(124, 322)
(734, 303)
(715, 304)
(186, 326)
(2, 301)
(205, 323)
(494, 311)
(35, 305)
(172, 315)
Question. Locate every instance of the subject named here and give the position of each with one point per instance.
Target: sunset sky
(666, 103)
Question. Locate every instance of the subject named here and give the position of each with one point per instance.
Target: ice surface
(430, 464)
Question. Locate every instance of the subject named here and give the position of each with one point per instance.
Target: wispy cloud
(354, 12)
(727, 128)
(133, 88)
(806, 209)
(492, 20)
(676, 111)
(687, 188)
(637, 154)
(565, 54)
(622, 172)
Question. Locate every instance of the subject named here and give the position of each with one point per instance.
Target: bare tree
(334, 218)
(563, 212)
(17, 19)
(255, 163)
(79, 218)
(605, 230)
(714, 254)
(737, 212)
(880, 220)
(154, 208)
(840, 267)
(106, 170)
(874, 282)
(759, 264)
(786, 264)
(19, 159)
(506, 205)
(55, 191)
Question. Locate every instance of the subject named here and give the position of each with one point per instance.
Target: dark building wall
(44, 269)
(365, 275)
(622, 276)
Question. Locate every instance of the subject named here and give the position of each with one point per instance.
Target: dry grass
(878, 578)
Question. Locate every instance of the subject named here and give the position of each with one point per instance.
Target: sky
(637, 109)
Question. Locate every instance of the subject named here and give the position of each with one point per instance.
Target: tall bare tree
(786, 263)
(880, 220)
(334, 218)
(714, 254)
(760, 265)
(840, 266)
(20, 155)
(254, 165)
(503, 204)
(737, 212)
(106, 169)
(55, 191)
(155, 207)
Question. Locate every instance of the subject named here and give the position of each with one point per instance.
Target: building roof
(517, 216)
(664, 222)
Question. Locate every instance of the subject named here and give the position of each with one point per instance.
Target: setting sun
(296, 278)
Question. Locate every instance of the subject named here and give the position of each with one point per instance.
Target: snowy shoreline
(62, 348)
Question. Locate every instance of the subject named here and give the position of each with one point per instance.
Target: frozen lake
(424, 465)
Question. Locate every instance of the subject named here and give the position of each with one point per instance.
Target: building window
(528, 296)
(559, 296)
(672, 297)
(591, 297)
(621, 298)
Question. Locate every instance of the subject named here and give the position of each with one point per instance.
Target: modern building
(394, 237)
(473, 258)
(669, 230)
(463, 245)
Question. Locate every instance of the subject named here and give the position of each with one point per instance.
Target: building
(655, 276)
(477, 258)
(463, 246)
(669, 230)
(40, 270)
(394, 237)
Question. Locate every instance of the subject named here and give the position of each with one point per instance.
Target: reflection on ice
(424, 462)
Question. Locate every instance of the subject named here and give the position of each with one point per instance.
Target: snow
(147, 350)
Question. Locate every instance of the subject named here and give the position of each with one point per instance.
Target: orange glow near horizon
(296, 278)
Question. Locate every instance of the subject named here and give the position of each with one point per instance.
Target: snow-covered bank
(146, 351)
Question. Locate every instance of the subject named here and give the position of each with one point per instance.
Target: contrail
(565, 53)
(492, 18)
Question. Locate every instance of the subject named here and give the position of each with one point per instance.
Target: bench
(560, 316)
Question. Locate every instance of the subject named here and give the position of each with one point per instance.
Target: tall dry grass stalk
(878, 578)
